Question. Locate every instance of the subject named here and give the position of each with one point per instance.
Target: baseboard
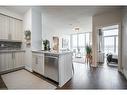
(121, 71)
(125, 73)
(28, 68)
(11, 70)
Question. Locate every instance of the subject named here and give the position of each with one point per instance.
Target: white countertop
(53, 52)
(6, 51)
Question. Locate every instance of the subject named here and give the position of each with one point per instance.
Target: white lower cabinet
(18, 59)
(6, 61)
(11, 60)
(38, 63)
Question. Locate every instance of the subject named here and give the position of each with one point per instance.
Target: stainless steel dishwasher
(51, 66)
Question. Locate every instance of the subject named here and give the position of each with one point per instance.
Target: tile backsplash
(5, 45)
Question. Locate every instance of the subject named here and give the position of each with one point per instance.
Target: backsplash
(4, 45)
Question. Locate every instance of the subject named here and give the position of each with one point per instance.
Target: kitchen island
(57, 66)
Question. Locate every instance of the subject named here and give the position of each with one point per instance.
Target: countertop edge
(6, 51)
(60, 53)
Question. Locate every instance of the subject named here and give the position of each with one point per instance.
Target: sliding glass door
(78, 43)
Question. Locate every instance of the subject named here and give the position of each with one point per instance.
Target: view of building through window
(111, 41)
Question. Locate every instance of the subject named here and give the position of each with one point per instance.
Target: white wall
(10, 13)
(52, 27)
(36, 29)
(27, 25)
(102, 20)
(32, 21)
(48, 30)
(124, 42)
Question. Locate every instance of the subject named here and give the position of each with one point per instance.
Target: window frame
(114, 36)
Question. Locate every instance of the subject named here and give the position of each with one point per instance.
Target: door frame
(120, 66)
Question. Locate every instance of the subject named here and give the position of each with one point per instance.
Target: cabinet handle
(12, 56)
(36, 60)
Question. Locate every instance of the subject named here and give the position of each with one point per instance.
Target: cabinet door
(38, 63)
(34, 62)
(16, 29)
(1, 31)
(12, 28)
(4, 27)
(19, 30)
(6, 62)
(18, 59)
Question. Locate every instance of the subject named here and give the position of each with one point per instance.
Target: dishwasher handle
(51, 57)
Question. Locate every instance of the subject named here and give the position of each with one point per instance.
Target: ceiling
(87, 10)
(17, 9)
(66, 17)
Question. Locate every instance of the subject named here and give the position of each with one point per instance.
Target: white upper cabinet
(16, 30)
(19, 30)
(10, 28)
(4, 27)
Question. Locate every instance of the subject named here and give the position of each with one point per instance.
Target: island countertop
(52, 52)
(65, 63)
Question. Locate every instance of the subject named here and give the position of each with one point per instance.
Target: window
(111, 40)
(109, 44)
(110, 32)
(79, 41)
(74, 40)
(87, 38)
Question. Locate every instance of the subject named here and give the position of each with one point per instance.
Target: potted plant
(88, 49)
(88, 54)
(46, 44)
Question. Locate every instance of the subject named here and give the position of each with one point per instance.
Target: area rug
(23, 79)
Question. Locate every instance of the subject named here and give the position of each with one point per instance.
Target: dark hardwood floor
(96, 78)
(90, 78)
(2, 85)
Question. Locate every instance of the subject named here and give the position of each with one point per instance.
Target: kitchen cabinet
(38, 63)
(16, 31)
(4, 27)
(66, 68)
(54, 64)
(11, 60)
(11, 28)
(20, 30)
(18, 59)
(6, 61)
